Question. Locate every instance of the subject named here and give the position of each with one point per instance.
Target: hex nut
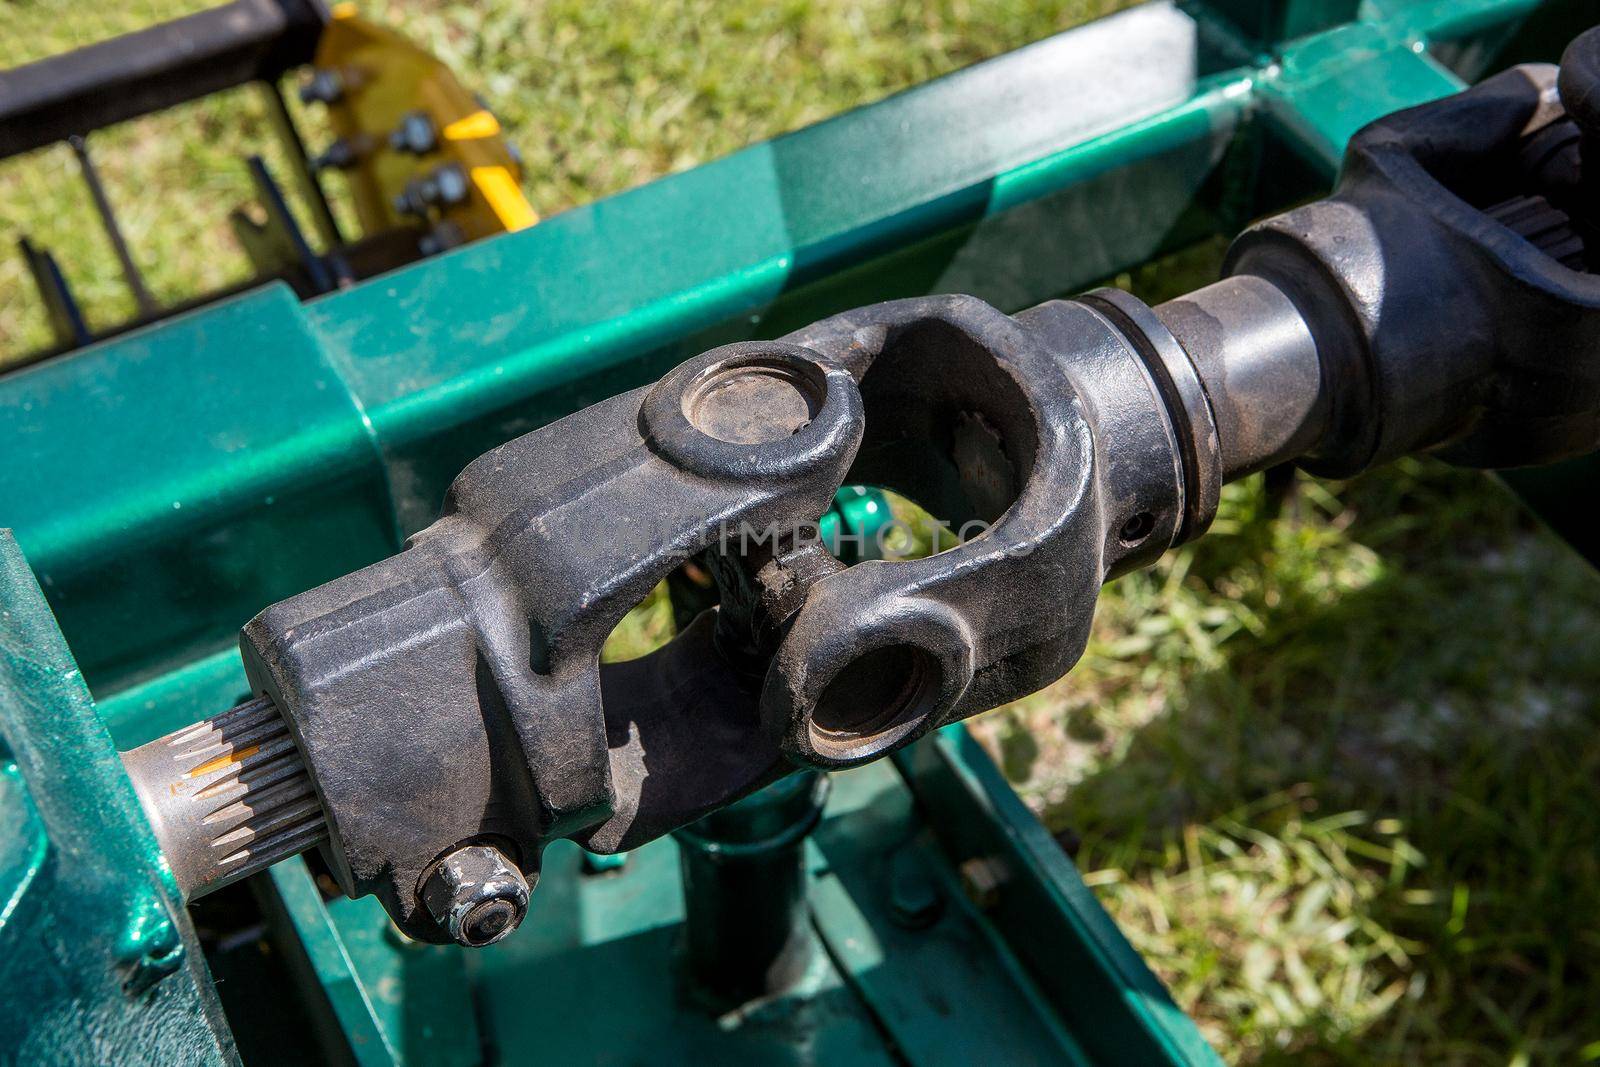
(982, 878)
(452, 183)
(476, 894)
(444, 186)
(325, 87)
(415, 133)
(340, 155)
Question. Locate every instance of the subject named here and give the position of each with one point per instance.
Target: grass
(598, 96)
(1336, 774)
(1334, 769)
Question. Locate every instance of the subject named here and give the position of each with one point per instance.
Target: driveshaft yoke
(454, 692)
(452, 696)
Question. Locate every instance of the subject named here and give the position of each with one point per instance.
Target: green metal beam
(391, 1001)
(1321, 89)
(231, 457)
(948, 989)
(1105, 993)
(169, 483)
(96, 960)
(277, 445)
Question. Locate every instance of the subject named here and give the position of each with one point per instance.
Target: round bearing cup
(756, 409)
(860, 692)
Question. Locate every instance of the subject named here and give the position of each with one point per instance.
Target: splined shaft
(228, 796)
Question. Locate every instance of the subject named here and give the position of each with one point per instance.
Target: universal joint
(452, 695)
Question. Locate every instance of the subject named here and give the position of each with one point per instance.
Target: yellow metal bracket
(387, 80)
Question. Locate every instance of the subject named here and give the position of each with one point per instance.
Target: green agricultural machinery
(310, 751)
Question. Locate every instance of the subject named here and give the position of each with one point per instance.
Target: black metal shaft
(154, 68)
(1580, 95)
(305, 177)
(1259, 365)
(747, 930)
(1089, 436)
(119, 245)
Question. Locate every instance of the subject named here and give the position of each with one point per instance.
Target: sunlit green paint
(168, 484)
(609, 938)
(94, 951)
(222, 460)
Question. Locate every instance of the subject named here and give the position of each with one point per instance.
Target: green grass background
(1334, 769)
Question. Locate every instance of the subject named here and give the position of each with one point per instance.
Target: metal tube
(1259, 365)
(227, 797)
(102, 205)
(155, 68)
(306, 178)
(747, 929)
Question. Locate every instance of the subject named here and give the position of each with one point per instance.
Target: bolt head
(451, 184)
(340, 155)
(415, 134)
(325, 87)
(983, 877)
(915, 900)
(441, 238)
(476, 894)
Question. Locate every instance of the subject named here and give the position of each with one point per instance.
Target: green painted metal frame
(1039, 975)
(167, 484)
(96, 958)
